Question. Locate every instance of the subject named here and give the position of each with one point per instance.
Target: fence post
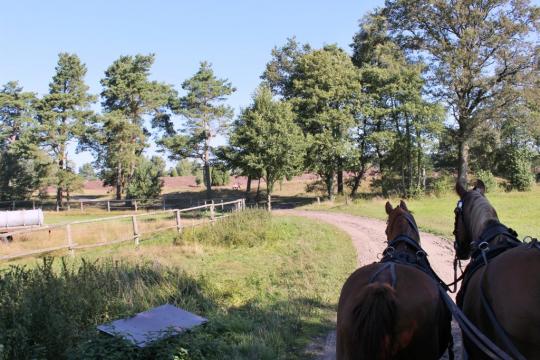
(135, 204)
(69, 240)
(243, 204)
(82, 207)
(318, 200)
(135, 230)
(222, 206)
(34, 204)
(13, 205)
(212, 211)
(57, 207)
(108, 206)
(164, 203)
(68, 206)
(178, 221)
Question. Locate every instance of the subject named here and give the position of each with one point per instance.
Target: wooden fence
(62, 237)
(81, 204)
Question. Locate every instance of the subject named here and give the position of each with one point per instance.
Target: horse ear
(403, 205)
(388, 207)
(460, 190)
(480, 186)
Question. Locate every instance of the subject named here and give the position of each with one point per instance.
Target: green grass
(518, 210)
(267, 285)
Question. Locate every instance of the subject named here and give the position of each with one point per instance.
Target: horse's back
(422, 327)
(511, 286)
(513, 290)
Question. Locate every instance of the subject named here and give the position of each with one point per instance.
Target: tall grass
(267, 285)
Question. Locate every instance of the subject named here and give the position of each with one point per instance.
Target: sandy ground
(369, 240)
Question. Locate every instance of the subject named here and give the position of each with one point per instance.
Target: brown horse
(392, 309)
(500, 293)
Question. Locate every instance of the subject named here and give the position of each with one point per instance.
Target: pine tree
(64, 114)
(206, 117)
(23, 166)
(128, 96)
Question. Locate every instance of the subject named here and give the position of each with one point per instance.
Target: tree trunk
(59, 189)
(340, 179)
(330, 185)
(356, 185)
(119, 182)
(257, 196)
(269, 202)
(248, 186)
(358, 179)
(463, 162)
(207, 179)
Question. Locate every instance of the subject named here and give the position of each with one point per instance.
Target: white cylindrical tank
(17, 218)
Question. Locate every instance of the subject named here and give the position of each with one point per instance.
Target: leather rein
(482, 253)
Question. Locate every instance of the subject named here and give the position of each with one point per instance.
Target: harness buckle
(389, 251)
(421, 254)
(483, 246)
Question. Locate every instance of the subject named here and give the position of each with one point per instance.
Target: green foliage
(87, 172)
(397, 124)
(118, 144)
(281, 284)
(518, 169)
(119, 136)
(326, 85)
(481, 56)
(64, 115)
(267, 141)
(173, 172)
(280, 70)
(206, 117)
(185, 167)
(442, 185)
(489, 180)
(24, 167)
(52, 314)
(220, 176)
(146, 182)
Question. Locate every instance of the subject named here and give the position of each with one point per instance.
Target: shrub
(52, 314)
(518, 169)
(220, 177)
(489, 180)
(146, 182)
(441, 185)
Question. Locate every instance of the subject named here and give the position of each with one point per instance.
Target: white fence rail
(110, 230)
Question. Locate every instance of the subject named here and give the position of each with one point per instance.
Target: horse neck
(481, 215)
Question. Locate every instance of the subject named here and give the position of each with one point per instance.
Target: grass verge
(518, 210)
(267, 285)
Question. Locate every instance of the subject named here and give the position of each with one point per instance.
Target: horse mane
(479, 212)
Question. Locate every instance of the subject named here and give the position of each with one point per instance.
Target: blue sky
(235, 36)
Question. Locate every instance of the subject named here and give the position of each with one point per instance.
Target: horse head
(472, 210)
(400, 222)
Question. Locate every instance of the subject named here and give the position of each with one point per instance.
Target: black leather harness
(416, 258)
(480, 257)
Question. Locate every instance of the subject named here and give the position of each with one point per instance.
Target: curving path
(369, 240)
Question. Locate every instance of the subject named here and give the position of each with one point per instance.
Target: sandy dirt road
(369, 239)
